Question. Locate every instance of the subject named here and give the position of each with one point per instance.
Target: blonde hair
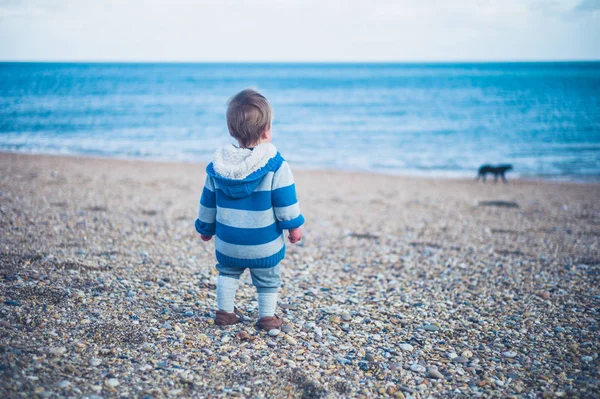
(249, 115)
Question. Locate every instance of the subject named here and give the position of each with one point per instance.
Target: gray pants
(264, 279)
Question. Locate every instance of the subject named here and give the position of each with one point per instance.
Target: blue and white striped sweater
(248, 199)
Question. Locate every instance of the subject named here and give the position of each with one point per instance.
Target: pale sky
(299, 30)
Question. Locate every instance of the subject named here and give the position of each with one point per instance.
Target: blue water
(424, 119)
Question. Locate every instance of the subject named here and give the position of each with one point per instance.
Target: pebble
(290, 340)
(433, 373)
(587, 359)
(112, 382)
(417, 368)
(64, 384)
(95, 362)
(430, 327)
(274, 332)
(509, 354)
(460, 359)
(58, 351)
(207, 351)
(148, 348)
(346, 316)
(343, 361)
(243, 335)
(544, 295)
(11, 302)
(406, 347)
(287, 329)
(271, 343)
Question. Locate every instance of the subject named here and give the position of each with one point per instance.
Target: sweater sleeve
(207, 214)
(285, 203)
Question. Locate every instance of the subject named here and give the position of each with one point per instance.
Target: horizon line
(475, 61)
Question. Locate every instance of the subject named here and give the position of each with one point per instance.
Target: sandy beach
(402, 287)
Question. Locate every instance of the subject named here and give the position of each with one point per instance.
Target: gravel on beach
(402, 287)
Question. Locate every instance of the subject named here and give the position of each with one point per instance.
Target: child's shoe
(224, 318)
(270, 322)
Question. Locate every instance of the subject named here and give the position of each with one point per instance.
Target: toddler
(248, 199)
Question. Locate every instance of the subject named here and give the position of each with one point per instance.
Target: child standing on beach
(248, 199)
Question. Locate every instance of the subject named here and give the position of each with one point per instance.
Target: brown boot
(270, 322)
(224, 318)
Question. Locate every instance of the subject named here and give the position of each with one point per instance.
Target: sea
(430, 119)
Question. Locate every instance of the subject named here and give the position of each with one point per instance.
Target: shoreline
(401, 287)
(400, 174)
(383, 62)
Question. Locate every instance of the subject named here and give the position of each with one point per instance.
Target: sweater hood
(238, 171)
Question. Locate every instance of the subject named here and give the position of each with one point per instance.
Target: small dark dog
(497, 171)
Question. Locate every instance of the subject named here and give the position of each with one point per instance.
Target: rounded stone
(64, 384)
(290, 340)
(112, 382)
(274, 332)
(544, 295)
(95, 362)
(430, 327)
(417, 368)
(433, 373)
(460, 359)
(406, 347)
(58, 351)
